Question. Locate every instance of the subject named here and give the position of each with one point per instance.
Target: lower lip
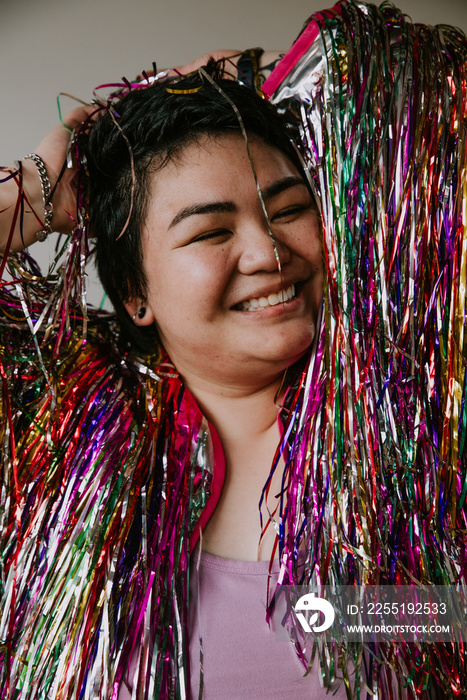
(281, 309)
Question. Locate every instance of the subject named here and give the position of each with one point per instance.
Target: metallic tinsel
(106, 460)
(376, 491)
(105, 470)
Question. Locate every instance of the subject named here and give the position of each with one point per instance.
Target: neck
(238, 413)
(246, 422)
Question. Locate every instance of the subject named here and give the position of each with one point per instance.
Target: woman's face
(223, 312)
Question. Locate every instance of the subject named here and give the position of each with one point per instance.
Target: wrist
(248, 68)
(255, 65)
(45, 219)
(33, 200)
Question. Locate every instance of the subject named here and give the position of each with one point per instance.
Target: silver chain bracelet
(42, 234)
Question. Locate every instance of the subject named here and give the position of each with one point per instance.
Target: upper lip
(266, 290)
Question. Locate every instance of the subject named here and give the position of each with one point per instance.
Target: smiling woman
(229, 226)
(208, 242)
(208, 254)
(280, 398)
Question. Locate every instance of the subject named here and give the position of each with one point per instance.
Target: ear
(140, 312)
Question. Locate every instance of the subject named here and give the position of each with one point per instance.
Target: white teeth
(271, 300)
(282, 296)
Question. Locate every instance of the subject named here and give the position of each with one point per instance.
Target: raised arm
(22, 210)
(234, 60)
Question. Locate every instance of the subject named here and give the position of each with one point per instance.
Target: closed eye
(291, 212)
(211, 235)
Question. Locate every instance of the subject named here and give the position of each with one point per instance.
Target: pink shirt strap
(297, 50)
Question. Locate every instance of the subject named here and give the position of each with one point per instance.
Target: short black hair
(136, 136)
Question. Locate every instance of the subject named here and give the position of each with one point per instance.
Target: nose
(261, 251)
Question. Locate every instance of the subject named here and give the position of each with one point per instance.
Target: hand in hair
(267, 63)
(229, 56)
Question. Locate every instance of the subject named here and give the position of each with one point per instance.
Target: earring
(141, 313)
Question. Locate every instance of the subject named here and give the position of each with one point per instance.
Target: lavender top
(242, 655)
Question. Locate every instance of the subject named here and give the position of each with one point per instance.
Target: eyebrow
(281, 185)
(228, 207)
(208, 208)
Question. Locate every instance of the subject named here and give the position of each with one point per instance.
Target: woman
(117, 462)
(234, 310)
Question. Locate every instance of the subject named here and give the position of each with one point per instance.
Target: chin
(286, 358)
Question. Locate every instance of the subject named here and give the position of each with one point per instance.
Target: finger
(80, 115)
(227, 55)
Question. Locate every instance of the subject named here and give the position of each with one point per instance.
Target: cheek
(315, 246)
(309, 248)
(186, 283)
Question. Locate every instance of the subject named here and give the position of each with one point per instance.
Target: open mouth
(271, 300)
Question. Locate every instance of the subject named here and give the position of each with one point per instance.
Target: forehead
(219, 166)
